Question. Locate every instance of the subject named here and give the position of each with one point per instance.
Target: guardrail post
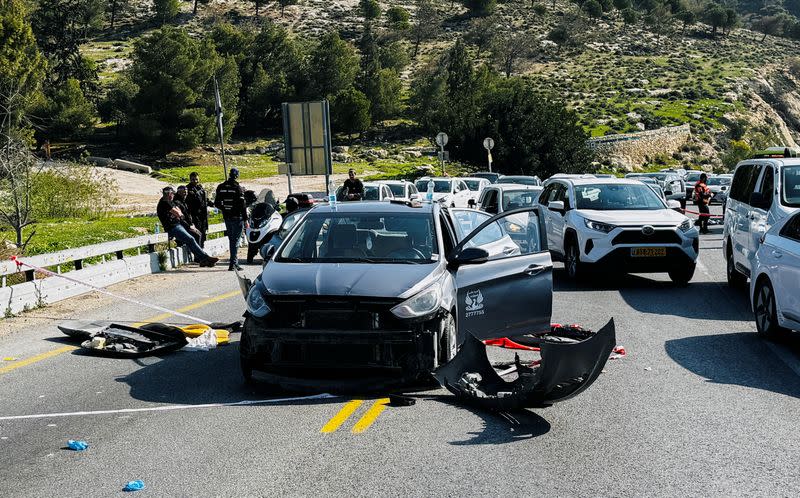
(79, 264)
(151, 248)
(119, 255)
(29, 276)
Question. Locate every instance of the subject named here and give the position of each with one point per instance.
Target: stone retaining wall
(630, 150)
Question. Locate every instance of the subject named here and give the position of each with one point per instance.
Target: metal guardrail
(77, 255)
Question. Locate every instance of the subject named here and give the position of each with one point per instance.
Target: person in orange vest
(702, 198)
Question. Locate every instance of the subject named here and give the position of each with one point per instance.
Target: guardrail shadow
(740, 358)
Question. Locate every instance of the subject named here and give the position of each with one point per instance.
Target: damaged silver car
(372, 292)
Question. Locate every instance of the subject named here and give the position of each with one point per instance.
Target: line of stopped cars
(372, 293)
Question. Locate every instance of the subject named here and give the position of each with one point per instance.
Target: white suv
(618, 223)
(765, 190)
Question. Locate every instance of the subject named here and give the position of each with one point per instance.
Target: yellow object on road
(198, 329)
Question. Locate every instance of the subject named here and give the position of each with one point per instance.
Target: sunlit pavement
(700, 406)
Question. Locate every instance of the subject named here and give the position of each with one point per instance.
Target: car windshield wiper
(293, 260)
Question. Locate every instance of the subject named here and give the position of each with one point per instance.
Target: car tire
(735, 279)
(572, 260)
(765, 311)
(252, 250)
(447, 340)
(244, 356)
(683, 275)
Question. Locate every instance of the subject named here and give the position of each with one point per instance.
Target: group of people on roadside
(183, 212)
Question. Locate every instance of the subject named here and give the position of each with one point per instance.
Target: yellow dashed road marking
(340, 417)
(372, 414)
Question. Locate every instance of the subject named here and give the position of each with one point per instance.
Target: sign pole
(218, 105)
(441, 141)
(488, 144)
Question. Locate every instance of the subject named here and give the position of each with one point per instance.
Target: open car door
(510, 294)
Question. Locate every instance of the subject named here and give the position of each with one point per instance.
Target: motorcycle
(264, 222)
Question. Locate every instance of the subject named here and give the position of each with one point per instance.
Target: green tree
(22, 68)
(166, 10)
(61, 27)
(370, 9)
(510, 48)
(195, 2)
(117, 105)
(715, 17)
(629, 16)
(382, 87)
(332, 68)
(592, 8)
(621, 5)
(659, 20)
(482, 32)
(350, 112)
(66, 113)
(607, 5)
(394, 56)
(687, 18)
(480, 7)
(115, 9)
(533, 135)
(731, 20)
(398, 18)
(175, 102)
(426, 24)
(769, 25)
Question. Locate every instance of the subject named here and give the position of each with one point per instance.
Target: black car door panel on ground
(511, 293)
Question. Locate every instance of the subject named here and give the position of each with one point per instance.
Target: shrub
(67, 190)
(398, 18)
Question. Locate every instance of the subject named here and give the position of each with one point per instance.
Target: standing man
(174, 222)
(702, 197)
(180, 203)
(353, 188)
(230, 200)
(197, 202)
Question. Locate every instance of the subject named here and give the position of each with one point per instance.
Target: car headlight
(421, 304)
(596, 225)
(256, 304)
(686, 225)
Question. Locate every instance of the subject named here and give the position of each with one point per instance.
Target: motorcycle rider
(197, 202)
(230, 200)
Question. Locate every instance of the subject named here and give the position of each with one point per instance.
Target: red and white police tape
(156, 307)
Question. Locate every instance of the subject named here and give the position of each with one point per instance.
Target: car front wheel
(447, 339)
(766, 311)
(682, 275)
(572, 261)
(735, 279)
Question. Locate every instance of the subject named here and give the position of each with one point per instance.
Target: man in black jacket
(197, 202)
(353, 188)
(175, 224)
(230, 200)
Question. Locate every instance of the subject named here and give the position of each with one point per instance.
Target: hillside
(618, 77)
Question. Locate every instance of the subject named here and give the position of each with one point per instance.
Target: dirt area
(280, 187)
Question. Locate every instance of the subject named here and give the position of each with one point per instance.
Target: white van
(764, 190)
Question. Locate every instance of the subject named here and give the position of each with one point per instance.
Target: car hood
(348, 279)
(635, 217)
(441, 195)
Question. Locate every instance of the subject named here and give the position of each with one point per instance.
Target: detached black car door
(511, 294)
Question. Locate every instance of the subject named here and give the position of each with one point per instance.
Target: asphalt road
(700, 406)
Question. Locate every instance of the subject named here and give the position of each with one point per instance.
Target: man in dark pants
(353, 189)
(197, 202)
(174, 222)
(230, 200)
(180, 203)
(702, 197)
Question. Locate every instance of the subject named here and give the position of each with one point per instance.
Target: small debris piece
(77, 445)
(398, 400)
(648, 368)
(9, 358)
(134, 485)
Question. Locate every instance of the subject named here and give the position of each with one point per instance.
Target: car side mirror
(758, 201)
(673, 204)
(267, 252)
(470, 256)
(557, 206)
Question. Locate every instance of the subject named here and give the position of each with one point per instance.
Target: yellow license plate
(648, 252)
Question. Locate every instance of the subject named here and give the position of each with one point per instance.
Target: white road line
(168, 408)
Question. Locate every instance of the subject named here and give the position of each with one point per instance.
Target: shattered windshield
(362, 238)
(614, 197)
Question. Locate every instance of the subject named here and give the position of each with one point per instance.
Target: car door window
(560, 194)
(791, 230)
(508, 235)
(490, 201)
(740, 180)
(768, 185)
(465, 221)
(750, 186)
(544, 198)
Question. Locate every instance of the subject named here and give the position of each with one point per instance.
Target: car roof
(473, 178)
(599, 181)
(516, 186)
(374, 207)
(392, 182)
(518, 176)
